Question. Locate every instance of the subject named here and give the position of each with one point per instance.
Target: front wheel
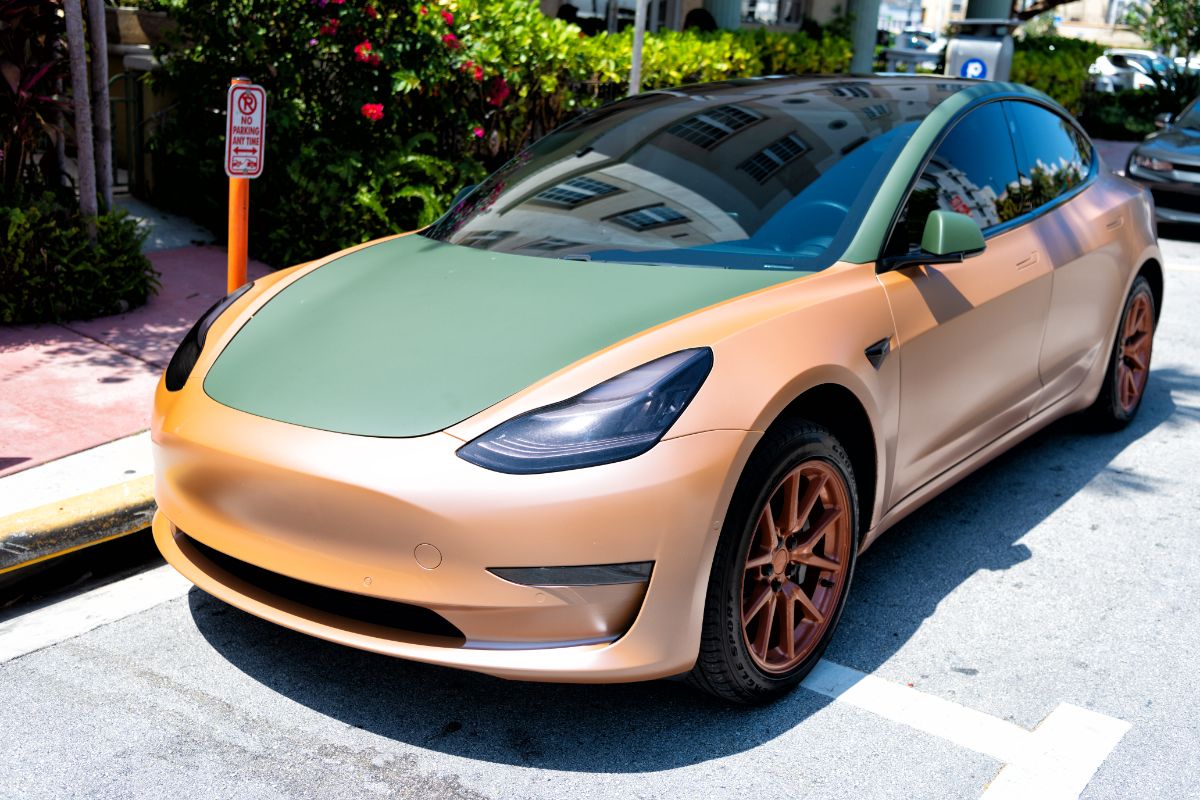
(782, 567)
(1129, 361)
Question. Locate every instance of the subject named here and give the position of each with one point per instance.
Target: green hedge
(49, 271)
(1125, 116)
(1129, 114)
(378, 114)
(1055, 65)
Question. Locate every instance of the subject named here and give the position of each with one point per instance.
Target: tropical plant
(30, 64)
(1168, 24)
(50, 271)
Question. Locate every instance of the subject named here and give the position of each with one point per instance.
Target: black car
(1168, 163)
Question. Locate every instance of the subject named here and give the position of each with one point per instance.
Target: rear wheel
(782, 567)
(1129, 362)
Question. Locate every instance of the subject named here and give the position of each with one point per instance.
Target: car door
(1080, 233)
(968, 334)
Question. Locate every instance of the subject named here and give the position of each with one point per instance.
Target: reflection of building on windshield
(690, 169)
(956, 192)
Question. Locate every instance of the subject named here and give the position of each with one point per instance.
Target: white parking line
(69, 618)
(1062, 755)
(1055, 760)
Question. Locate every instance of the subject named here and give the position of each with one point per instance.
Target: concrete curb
(58, 528)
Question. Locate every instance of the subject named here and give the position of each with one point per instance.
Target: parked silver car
(1168, 163)
(1120, 69)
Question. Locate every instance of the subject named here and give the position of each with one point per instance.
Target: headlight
(621, 418)
(1156, 164)
(189, 349)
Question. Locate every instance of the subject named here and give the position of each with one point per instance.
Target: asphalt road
(1064, 572)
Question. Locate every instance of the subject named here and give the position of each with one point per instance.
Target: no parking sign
(245, 149)
(245, 132)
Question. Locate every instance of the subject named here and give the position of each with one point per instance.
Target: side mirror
(1162, 120)
(950, 234)
(948, 238)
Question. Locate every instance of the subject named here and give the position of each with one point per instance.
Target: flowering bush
(377, 113)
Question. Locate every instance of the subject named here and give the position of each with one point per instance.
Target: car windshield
(1190, 116)
(760, 174)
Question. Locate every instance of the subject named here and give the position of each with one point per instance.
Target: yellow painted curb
(56, 529)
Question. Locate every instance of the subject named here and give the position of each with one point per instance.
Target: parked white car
(1121, 69)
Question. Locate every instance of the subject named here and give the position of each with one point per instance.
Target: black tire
(726, 668)
(1108, 413)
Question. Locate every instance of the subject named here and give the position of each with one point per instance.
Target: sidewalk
(76, 387)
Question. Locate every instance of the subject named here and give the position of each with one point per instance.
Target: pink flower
(371, 12)
(475, 70)
(330, 27)
(451, 41)
(373, 111)
(423, 10)
(497, 91)
(446, 15)
(364, 53)
(337, 2)
(478, 131)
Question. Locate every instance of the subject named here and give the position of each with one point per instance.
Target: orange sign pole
(245, 136)
(239, 219)
(239, 222)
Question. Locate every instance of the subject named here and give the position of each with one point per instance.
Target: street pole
(239, 223)
(862, 35)
(239, 219)
(639, 36)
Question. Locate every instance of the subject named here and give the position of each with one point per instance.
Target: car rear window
(767, 174)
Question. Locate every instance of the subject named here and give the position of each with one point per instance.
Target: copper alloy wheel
(796, 566)
(1133, 366)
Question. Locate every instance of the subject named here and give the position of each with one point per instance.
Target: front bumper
(1176, 193)
(405, 521)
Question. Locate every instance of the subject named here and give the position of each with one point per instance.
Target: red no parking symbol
(247, 103)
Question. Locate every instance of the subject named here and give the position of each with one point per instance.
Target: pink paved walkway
(70, 387)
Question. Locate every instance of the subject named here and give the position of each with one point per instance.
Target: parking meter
(980, 48)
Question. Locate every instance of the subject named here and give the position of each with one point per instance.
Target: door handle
(1116, 223)
(878, 351)
(1028, 261)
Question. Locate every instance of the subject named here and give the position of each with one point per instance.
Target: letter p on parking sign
(245, 132)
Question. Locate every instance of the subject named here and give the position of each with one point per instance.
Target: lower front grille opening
(403, 617)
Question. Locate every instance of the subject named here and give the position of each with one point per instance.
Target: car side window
(1052, 154)
(973, 172)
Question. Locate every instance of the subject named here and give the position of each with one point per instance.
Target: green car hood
(410, 336)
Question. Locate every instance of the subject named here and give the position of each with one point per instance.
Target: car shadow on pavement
(975, 525)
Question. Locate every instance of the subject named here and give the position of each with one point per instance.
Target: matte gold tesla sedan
(634, 405)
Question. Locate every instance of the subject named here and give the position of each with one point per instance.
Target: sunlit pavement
(1064, 573)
